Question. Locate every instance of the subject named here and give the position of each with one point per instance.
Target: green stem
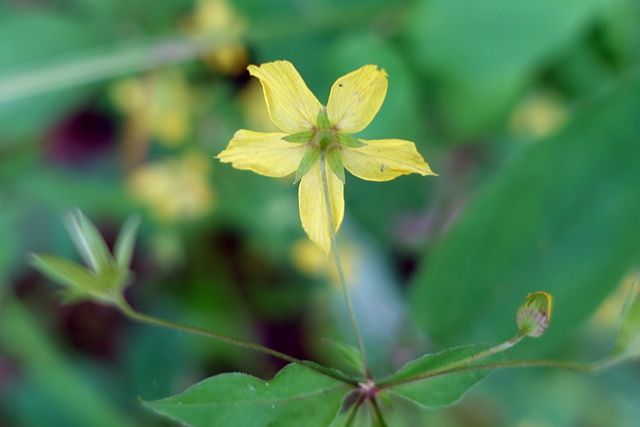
(336, 257)
(378, 419)
(546, 363)
(150, 320)
(558, 364)
(543, 363)
(454, 366)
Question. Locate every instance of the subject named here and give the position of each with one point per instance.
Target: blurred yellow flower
(160, 105)
(218, 18)
(175, 189)
(538, 116)
(316, 139)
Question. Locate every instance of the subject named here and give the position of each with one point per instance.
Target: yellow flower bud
(534, 314)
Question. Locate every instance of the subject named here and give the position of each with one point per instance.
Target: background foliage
(527, 110)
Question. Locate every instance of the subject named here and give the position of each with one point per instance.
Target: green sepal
(89, 242)
(105, 276)
(349, 141)
(334, 159)
(64, 271)
(322, 121)
(308, 160)
(302, 137)
(123, 250)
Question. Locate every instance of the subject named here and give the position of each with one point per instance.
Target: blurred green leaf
(628, 341)
(438, 390)
(562, 217)
(483, 52)
(45, 367)
(28, 39)
(296, 396)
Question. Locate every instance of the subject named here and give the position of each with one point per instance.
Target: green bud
(534, 314)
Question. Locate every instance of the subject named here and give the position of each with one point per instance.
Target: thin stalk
(336, 257)
(542, 363)
(454, 366)
(600, 365)
(376, 414)
(558, 364)
(154, 321)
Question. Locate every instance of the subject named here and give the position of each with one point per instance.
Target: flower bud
(105, 275)
(534, 314)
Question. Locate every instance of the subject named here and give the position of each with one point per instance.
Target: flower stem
(154, 321)
(542, 363)
(336, 257)
(378, 418)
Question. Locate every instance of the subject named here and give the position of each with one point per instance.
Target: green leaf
(561, 217)
(439, 390)
(628, 341)
(350, 353)
(296, 396)
(125, 243)
(483, 53)
(431, 362)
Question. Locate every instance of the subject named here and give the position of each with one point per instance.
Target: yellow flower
(174, 189)
(315, 141)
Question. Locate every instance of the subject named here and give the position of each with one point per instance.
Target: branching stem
(150, 320)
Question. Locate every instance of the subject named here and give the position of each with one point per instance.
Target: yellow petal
(356, 98)
(313, 210)
(292, 106)
(264, 153)
(384, 159)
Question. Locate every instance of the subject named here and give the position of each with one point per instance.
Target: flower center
(325, 138)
